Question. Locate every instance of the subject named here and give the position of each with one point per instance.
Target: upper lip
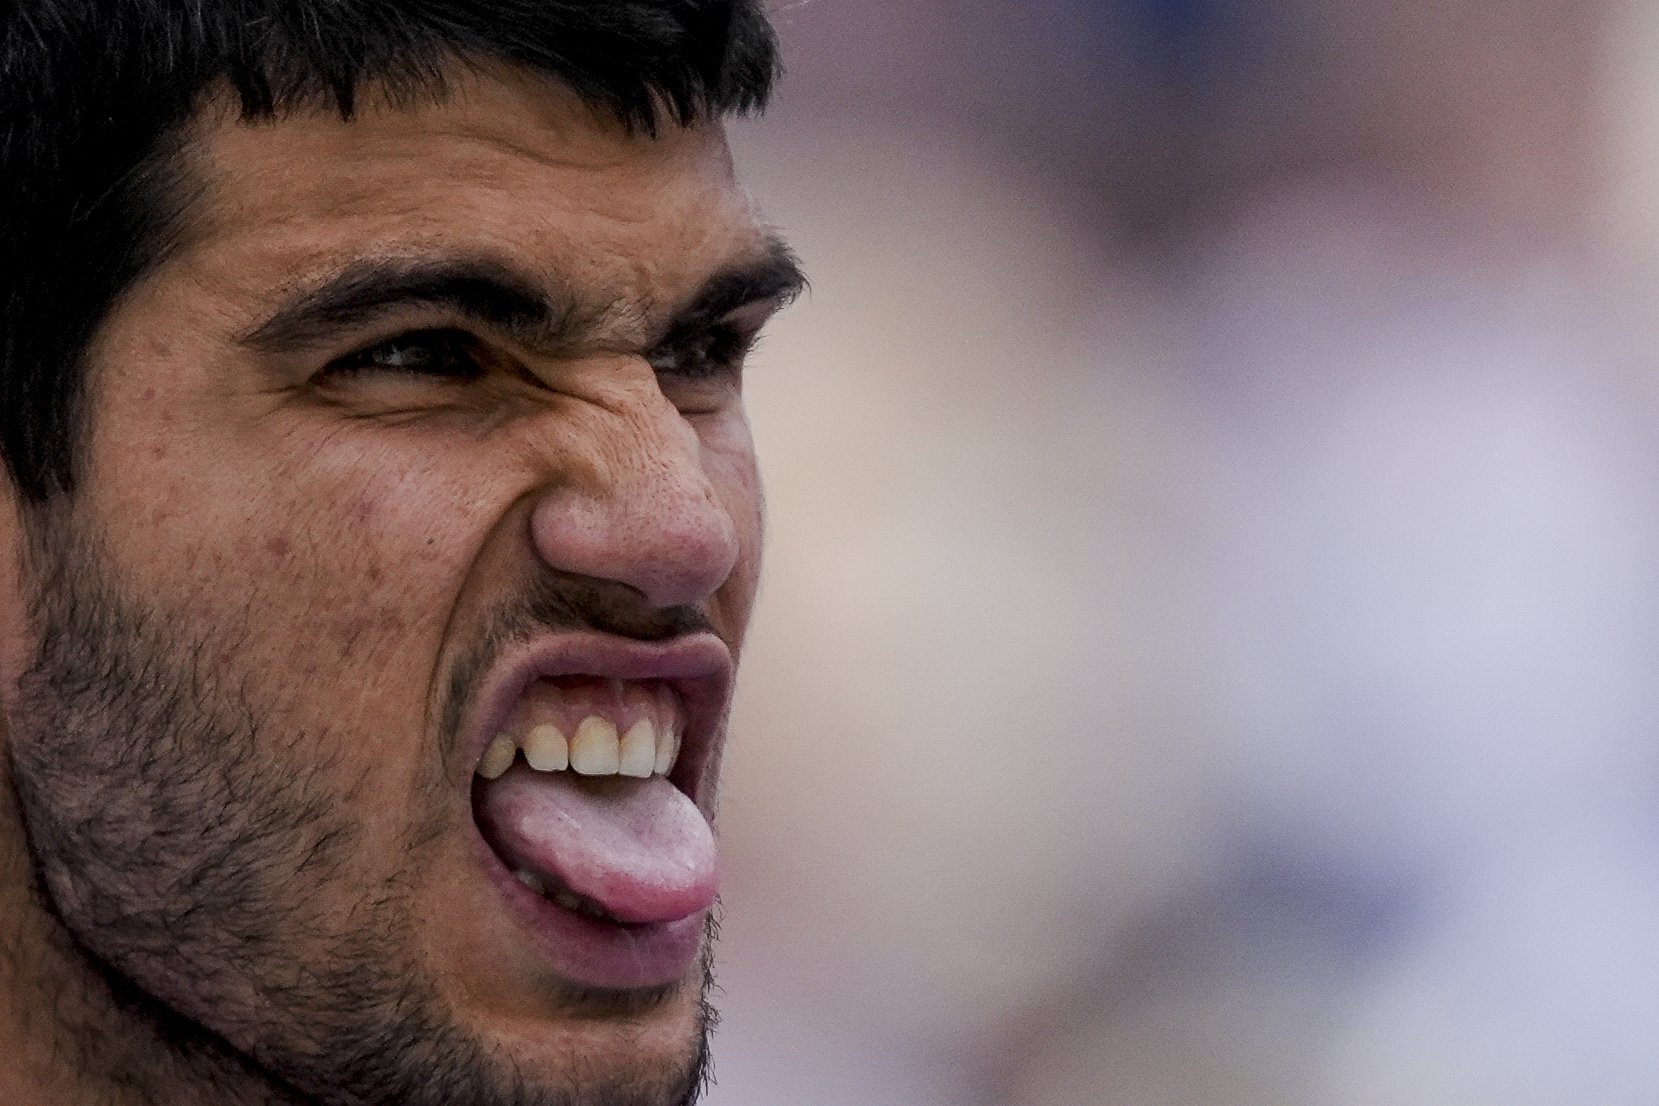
(698, 668)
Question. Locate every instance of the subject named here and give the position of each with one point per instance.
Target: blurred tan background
(1208, 651)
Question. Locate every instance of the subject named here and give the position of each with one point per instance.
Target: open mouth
(586, 792)
(575, 795)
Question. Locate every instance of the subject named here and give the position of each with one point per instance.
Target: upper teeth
(595, 749)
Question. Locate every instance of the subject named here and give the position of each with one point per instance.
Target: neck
(75, 1037)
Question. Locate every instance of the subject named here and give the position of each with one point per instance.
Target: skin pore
(418, 387)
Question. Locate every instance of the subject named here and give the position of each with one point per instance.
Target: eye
(441, 353)
(706, 354)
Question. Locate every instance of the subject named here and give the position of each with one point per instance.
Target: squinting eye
(443, 353)
(717, 351)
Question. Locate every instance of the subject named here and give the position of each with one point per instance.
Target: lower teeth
(585, 907)
(569, 900)
(532, 881)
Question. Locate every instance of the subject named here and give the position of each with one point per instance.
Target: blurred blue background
(1207, 650)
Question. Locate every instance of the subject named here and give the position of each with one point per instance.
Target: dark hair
(95, 94)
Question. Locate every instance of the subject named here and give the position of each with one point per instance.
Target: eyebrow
(502, 297)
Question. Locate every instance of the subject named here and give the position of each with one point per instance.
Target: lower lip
(591, 953)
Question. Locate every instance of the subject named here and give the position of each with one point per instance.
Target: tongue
(639, 848)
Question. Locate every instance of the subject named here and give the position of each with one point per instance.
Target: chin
(634, 1050)
(605, 1046)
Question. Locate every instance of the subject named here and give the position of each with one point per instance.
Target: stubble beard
(181, 861)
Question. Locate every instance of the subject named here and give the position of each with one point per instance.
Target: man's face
(430, 433)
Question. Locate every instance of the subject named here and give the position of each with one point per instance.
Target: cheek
(326, 561)
(729, 460)
(375, 556)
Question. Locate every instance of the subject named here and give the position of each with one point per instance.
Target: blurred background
(1208, 648)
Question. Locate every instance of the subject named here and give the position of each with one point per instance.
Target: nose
(642, 512)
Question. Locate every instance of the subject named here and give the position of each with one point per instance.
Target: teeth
(595, 750)
(639, 750)
(578, 905)
(498, 757)
(668, 751)
(560, 895)
(546, 749)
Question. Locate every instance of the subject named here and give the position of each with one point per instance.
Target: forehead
(507, 166)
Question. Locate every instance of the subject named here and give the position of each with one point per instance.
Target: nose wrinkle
(651, 520)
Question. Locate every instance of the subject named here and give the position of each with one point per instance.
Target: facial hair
(182, 845)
